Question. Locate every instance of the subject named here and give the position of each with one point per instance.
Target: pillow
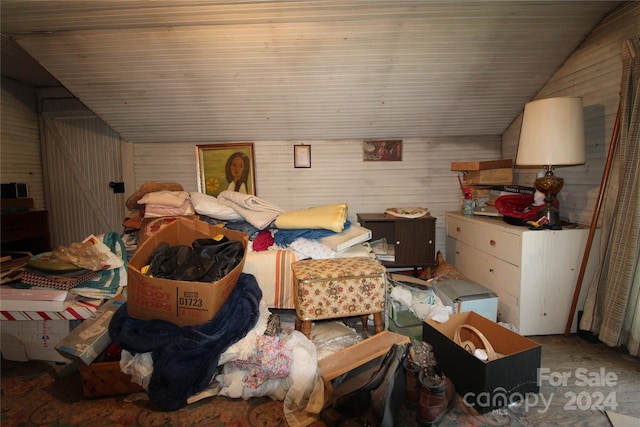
(207, 205)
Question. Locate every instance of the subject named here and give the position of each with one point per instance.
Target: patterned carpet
(33, 394)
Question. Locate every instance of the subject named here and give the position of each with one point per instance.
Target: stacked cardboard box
(480, 175)
(32, 334)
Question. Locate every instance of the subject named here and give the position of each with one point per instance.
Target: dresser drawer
(501, 244)
(485, 237)
(461, 230)
(487, 270)
(499, 276)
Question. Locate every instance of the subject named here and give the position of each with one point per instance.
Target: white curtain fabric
(612, 309)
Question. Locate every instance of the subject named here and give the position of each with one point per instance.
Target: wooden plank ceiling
(191, 70)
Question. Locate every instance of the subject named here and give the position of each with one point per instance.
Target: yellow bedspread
(329, 217)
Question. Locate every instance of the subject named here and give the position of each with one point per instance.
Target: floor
(582, 382)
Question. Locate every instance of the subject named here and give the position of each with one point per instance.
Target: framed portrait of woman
(226, 167)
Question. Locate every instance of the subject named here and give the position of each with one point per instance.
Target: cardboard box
(485, 385)
(85, 343)
(24, 340)
(465, 295)
(481, 165)
(106, 379)
(489, 176)
(481, 193)
(183, 303)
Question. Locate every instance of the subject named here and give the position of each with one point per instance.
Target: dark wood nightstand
(24, 229)
(414, 239)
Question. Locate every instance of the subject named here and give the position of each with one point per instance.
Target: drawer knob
(491, 270)
(397, 242)
(457, 252)
(430, 242)
(492, 242)
(458, 229)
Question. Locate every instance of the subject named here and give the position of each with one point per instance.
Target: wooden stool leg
(298, 324)
(377, 321)
(365, 320)
(306, 328)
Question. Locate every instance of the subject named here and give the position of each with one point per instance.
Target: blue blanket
(185, 358)
(285, 237)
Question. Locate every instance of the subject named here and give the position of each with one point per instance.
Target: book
(518, 189)
(351, 236)
(13, 299)
(496, 189)
(383, 251)
(486, 211)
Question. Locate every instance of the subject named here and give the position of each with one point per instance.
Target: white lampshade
(552, 133)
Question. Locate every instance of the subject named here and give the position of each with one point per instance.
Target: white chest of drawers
(533, 272)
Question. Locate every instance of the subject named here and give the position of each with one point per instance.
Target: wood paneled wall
(593, 72)
(338, 173)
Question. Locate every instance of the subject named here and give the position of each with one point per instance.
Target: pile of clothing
(246, 357)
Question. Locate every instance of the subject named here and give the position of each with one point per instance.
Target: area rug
(36, 394)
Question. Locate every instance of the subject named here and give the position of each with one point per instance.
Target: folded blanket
(167, 198)
(205, 204)
(284, 238)
(185, 358)
(254, 210)
(153, 210)
(329, 217)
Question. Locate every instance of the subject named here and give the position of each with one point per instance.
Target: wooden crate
(489, 176)
(357, 355)
(106, 379)
(483, 165)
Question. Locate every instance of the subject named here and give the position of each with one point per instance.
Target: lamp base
(552, 215)
(550, 185)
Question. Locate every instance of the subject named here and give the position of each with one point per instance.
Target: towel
(256, 211)
(185, 358)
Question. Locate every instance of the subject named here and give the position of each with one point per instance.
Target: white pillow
(207, 205)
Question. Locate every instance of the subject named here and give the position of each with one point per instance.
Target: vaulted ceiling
(201, 70)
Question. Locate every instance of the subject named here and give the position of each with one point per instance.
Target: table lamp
(552, 134)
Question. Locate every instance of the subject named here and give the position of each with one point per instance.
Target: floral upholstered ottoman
(339, 287)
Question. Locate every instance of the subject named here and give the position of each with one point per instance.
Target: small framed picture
(226, 167)
(302, 156)
(382, 151)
